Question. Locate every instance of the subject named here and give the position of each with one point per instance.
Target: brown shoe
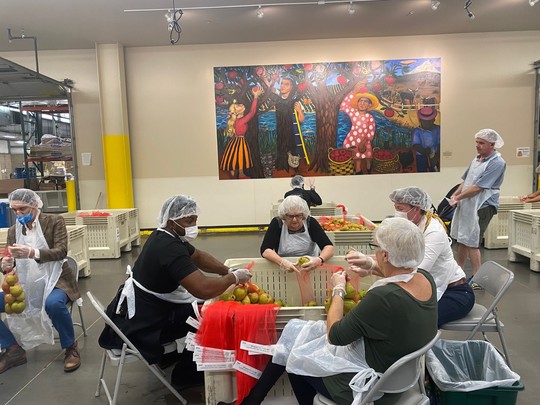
(12, 357)
(72, 359)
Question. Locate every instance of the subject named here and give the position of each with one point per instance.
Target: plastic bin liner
(468, 366)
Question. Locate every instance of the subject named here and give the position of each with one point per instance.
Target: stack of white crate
(524, 237)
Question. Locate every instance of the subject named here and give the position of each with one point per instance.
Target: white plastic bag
(312, 355)
(468, 366)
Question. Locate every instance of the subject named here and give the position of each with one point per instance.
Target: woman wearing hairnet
(455, 295)
(311, 196)
(166, 280)
(38, 243)
(397, 316)
(295, 233)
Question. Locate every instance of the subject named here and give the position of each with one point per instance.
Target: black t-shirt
(310, 196)
(163, 262)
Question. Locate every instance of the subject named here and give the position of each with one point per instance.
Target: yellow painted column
(114, 125)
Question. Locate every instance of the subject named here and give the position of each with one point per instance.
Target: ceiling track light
(351, 9)
(173, 23)
(533, 2)
(260, 12)
(470, 14)
(435, 4)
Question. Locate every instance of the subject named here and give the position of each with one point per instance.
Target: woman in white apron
(397, 316)
(38, 243)
(477, 198)
(166, 280)
(294, 233)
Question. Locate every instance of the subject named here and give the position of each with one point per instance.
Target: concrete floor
(43, 381)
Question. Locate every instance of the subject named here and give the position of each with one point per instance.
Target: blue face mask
(24, 219)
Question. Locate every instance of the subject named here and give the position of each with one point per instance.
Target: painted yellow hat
(374, 100)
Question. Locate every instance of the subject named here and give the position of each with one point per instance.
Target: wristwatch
(339, 293)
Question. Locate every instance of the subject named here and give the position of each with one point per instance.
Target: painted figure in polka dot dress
(357, 105)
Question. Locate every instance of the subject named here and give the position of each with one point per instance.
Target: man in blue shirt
(477, 197)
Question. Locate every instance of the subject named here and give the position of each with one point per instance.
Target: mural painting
(328, 119)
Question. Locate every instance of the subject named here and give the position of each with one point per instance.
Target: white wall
(487, 81)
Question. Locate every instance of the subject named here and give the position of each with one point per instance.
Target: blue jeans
(455, 303)
(56, 308)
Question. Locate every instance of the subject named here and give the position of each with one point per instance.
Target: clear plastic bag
(468, 366)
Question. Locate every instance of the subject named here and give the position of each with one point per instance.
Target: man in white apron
(156, 299)
(37, 246)
(477, 198)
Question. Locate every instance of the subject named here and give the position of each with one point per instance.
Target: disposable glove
(287, 265)
(21, 251)
(241, 275)
(7, 263)
(338, 280)
(360, 262)
(313, 263)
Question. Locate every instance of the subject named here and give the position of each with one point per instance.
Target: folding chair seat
(405, 378)
(495, 280)
(120, 357)
(75, 268)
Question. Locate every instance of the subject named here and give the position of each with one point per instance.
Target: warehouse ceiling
(68, 24)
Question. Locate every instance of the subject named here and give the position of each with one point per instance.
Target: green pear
(240, 293)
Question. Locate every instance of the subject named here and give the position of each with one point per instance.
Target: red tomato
(233, 74)
(389, 79)
(302, 86)
(341, 80)
(219, 85)
(308, 66)
(377, 87)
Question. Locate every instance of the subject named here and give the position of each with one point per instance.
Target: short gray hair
(403, 241)
(293, 203)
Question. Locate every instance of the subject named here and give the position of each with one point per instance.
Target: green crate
(487, 396)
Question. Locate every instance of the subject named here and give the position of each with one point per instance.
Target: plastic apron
(465, 226)
(297, 244)
(33, 326)
(178, 296)
(304, 349)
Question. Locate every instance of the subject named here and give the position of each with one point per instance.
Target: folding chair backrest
(74, 267)
(401, 375)
(494, 278)
(101, 310)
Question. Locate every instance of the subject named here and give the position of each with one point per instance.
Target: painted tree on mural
(327, 85)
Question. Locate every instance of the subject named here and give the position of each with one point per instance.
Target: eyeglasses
(373, 245)
(293, 216)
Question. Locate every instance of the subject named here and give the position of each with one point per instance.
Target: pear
(311, 303)
(327, 303)
(348, 304)
(279, 303)
(240, 293)
(245, 300)
(227, 296)
(265, 298)
(253, 288)
(350, 291)
(302, 260)
(253, 297)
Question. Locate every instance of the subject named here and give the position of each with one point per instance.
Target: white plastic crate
(133, 224)
(329, 209)
(496, 235)
(344, 241)
(107, 235)
(53, 200)
(78, 248)
(524, 237)
(221, 385)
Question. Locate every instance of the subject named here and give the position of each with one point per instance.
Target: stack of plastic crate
(220, 385)
(133, 224)
(496, 235)
(78, 248)
(344, 241)
(107, 231)
(524, 237)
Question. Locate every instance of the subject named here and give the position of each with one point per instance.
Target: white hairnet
(26, 197)
(414, 196)
(297, 181)
(176, 207)
(491, 136)
(403, 241)
(293, 204)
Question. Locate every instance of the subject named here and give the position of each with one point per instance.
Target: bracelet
(322, 260)
(339, 292)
